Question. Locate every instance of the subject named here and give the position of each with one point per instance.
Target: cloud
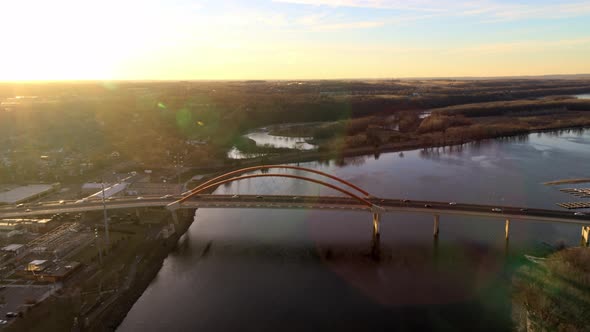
(492, 10)
(423, 5)
(520, 46)
(349, 25)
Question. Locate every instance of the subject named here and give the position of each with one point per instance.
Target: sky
(290, 39)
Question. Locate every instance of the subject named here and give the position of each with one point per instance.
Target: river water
(263, 138)
(271, 270)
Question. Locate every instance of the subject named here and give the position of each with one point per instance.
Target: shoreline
(115, 314)
(308, 156)
(566, 181)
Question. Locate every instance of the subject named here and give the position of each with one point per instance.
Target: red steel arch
(255, 168)
(218, 183)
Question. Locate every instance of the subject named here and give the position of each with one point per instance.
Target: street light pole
(106, 221)
(178, 163)
(97, 242)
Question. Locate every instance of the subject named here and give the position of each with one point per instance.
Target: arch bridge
(361, 197)
(352, 198)
(357, 198)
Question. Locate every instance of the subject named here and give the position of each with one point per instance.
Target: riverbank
(552, 293)
(152, 261)
(321, 155)
(566, 181)
(98, 297)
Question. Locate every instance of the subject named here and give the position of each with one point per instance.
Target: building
(30, 225)
(93, 187)
(9, 234)
(37, 265)
(49, 272)
(15, 249)
(153, 189)
(26, 193)
(108, 191)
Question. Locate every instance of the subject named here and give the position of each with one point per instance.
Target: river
(271, 270)
(262, 137)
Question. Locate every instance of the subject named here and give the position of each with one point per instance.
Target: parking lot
(13, 297)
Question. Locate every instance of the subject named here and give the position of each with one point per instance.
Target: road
(382, 205)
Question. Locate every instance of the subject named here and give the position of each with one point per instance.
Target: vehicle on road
(524, 210)
(61, 202)
(496, 210)
(258, 196)
(166, 196)
(20, 205)
(28, 210)
(235, 196)
(427, 205)
(453, 203)
(11, 314)
(3, 322)
(579, 214)
(139, 197)
(406, 201)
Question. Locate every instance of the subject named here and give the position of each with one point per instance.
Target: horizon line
(91, 80)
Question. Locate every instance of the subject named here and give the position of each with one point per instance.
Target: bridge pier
(376, 221)
(507, 229)
(436, 229)
(585, 235)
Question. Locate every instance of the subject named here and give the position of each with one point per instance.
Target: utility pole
(178, 163)
(106, 221)
(97, 241)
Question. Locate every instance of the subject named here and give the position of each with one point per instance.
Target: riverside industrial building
(21, 194)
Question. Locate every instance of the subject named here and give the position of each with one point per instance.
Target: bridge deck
(307, 202)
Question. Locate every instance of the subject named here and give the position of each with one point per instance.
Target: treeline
(521, 107)
(149, 122)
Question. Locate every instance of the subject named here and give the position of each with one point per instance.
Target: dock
(579, 192)
(575, 205)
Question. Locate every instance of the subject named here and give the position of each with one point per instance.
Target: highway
(381, 205)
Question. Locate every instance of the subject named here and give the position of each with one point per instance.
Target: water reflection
(263, 138)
